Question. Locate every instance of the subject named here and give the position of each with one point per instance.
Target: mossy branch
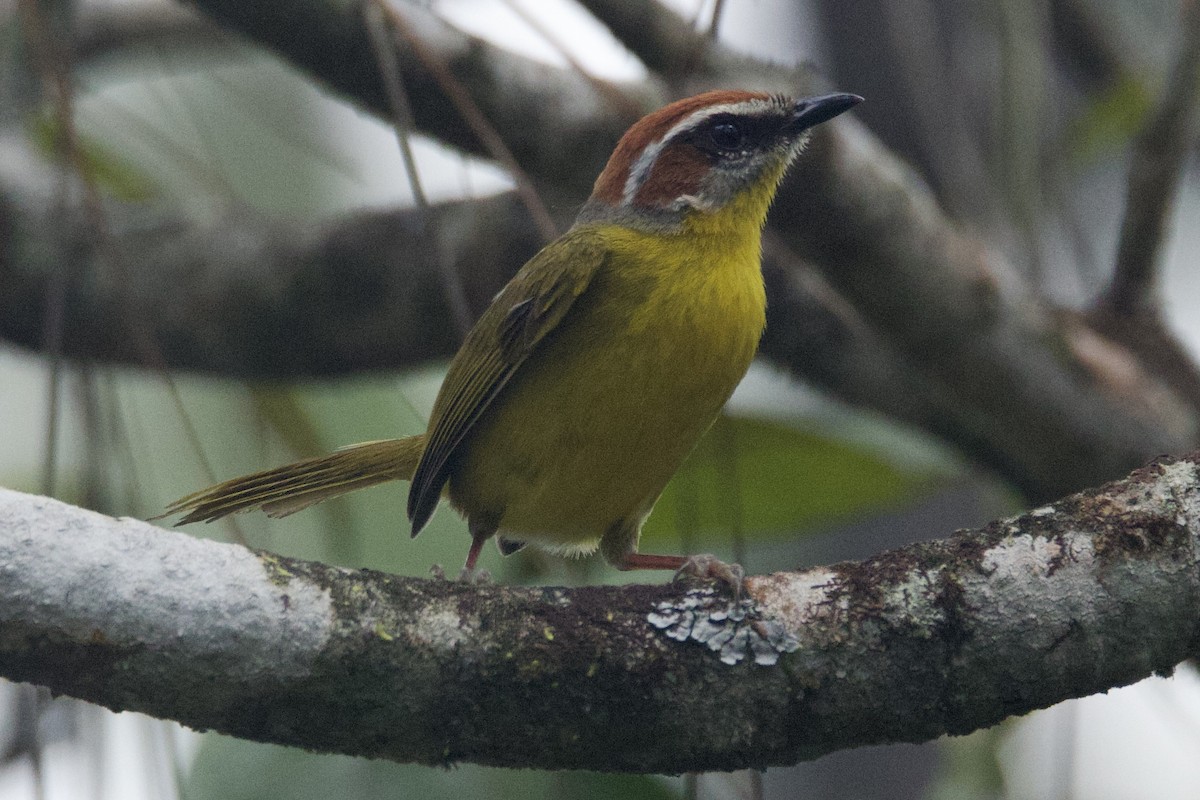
(1095, 591)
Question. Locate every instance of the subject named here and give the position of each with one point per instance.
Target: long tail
(290, 488)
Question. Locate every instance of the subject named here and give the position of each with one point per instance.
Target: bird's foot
(476, 577)
(708, 567)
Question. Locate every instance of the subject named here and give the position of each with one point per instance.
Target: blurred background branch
(961, 317)
(1159, 154)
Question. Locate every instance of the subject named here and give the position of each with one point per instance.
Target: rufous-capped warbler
(593, 373)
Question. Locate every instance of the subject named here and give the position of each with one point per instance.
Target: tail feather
(293, 487)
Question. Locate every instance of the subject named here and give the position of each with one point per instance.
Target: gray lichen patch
(441, 628)
(734, 629)
(1021, 556)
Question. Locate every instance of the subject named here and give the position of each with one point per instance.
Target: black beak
(814, 110)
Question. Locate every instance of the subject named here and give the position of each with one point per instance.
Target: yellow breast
(594, 424)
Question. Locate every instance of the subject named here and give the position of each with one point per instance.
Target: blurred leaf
(589, 785)
(1110, 120)
(232, 769)
(766, 478)
(108, 171)
(282, 410)
(969, 767)
(318, 419)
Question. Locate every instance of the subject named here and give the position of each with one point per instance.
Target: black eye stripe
(724, 135)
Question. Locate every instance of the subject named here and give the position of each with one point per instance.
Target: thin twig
(384, 47)
(52, 329)
(92, 491)
(37, 752)
(1155, 170)
(714, 21)
(393, 83)
(49, 66)
(478, 123)
(118, 433)
(613, 97)
(52, 64)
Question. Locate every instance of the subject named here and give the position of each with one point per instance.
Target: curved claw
(476, 577)
(709, 567)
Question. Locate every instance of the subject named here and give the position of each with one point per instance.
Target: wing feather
(532, 305)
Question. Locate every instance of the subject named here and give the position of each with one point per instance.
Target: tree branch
(1159, 153)
(1034, 389)
(657, 35)
(1129, 310)
(1096, 591)
(261, 300)
(555, 122)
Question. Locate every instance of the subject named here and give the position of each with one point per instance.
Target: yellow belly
(594, 424)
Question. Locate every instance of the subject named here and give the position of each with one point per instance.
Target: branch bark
(260, 300)
(1098, 590)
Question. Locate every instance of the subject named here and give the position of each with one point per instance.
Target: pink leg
(650, 561)
(698, 566)
(481, 531)
(473, 554)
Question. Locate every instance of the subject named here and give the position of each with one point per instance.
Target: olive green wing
(533, 303)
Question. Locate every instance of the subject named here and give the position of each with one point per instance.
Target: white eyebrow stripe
(639, 170)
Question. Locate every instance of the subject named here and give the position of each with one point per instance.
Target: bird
(594, 372)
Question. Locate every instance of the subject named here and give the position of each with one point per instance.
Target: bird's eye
(727, 136)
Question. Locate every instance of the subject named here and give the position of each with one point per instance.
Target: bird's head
(701, 153)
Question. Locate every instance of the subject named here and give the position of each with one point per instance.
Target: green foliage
(1110, 120)
(283, 410)
(769, 479)
(969, 767)
(230, 769)
(100, 165)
